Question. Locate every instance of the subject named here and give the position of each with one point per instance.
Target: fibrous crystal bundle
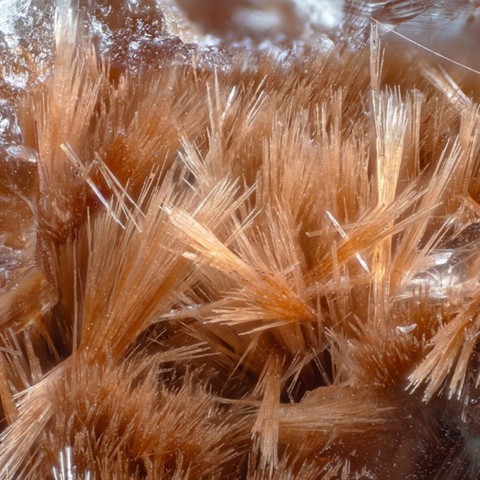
(239, 240)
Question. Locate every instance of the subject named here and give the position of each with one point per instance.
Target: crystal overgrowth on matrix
(239, 240)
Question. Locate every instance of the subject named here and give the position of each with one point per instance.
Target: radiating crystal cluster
(239, 239)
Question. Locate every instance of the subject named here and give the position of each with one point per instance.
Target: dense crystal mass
(239, 239)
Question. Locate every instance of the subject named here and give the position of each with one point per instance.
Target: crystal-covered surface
(134, 33)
